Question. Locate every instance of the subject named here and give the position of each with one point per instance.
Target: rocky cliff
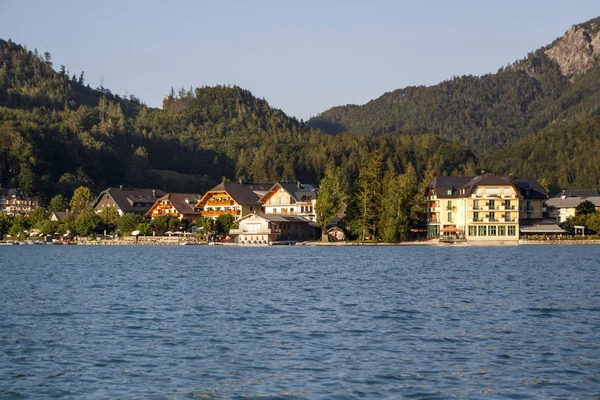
(577, 50)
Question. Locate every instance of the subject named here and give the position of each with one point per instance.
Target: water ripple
(297, 322)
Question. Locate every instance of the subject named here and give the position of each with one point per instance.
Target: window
(512, 231)
(483, 231)
(507, 204)
(449, 192)
(450, 217)
(492, 192)
(507, 217)
(449, 206)
(475, 204)
(492, 216)
(492, 204)
(476, 216)
(472, 230)
(253, 228)
(493, 230)
(501, 231)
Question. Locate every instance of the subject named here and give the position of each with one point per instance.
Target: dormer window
(449, 192)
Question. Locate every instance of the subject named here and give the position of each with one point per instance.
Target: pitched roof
(184, 203)
(547, 228)
(277, 218)
(247, 194)
(132, 200)
(9, 193)
(571, 202)
(529, 188)
(579, 193)
(443, 184)
(60, 215)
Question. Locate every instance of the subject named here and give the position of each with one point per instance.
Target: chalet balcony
(215, 213)
(220, 203)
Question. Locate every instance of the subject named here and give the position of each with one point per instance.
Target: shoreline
(165, 241)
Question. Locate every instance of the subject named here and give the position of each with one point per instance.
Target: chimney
(153, 192)
(120, 187)
(299, 185)
(482, 172)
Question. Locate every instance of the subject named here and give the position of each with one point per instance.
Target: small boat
(6, 243)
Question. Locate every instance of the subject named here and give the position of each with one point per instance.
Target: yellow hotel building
(483, 208)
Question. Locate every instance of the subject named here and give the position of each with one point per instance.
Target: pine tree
(330, 200)
(368, 197)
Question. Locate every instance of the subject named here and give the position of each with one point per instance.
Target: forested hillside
(556, 84)
(56, 134)
(537, 117)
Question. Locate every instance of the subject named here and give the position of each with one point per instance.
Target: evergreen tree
(58, 203)
(330, 198)
(368, 197)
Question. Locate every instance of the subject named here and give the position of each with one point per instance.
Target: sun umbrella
(450, 229)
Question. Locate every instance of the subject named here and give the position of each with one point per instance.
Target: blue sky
(301, 56)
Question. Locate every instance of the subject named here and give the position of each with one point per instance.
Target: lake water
(299, 322)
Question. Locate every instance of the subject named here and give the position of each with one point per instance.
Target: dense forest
(554, 89)
(531, 118)
(57, 134)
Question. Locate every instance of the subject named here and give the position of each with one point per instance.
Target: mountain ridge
(484, 112)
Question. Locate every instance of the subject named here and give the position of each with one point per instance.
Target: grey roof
(444, 183)
(550, 228)
(571, 202)
(578, 193)
(9, 193)
(528, 188)
(131, 200)
(60, 215)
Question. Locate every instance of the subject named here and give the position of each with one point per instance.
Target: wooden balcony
(219, 203)
(214, 213)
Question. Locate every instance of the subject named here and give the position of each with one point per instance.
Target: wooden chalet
(180, 205)
(237, 199)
